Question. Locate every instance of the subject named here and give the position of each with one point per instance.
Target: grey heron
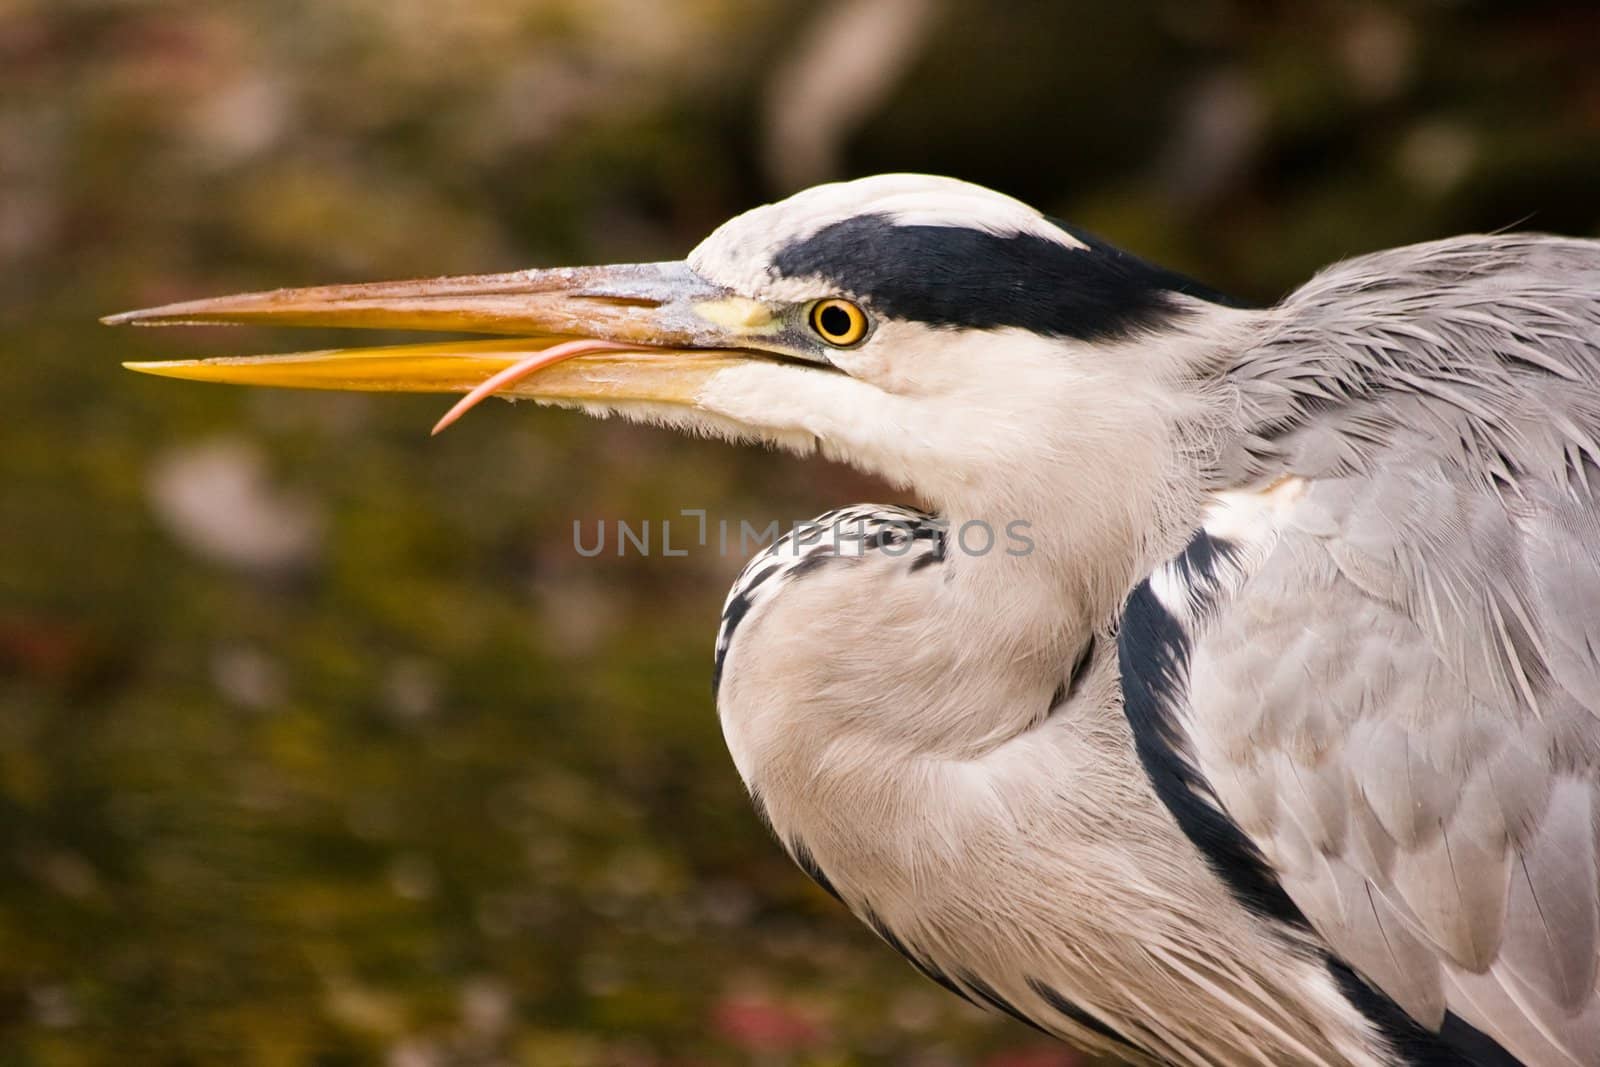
(1279, 743)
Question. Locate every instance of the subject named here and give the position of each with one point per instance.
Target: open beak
(654, 332)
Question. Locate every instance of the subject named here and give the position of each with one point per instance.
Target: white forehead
(739, 253)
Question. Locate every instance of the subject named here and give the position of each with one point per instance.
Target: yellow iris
(838, 322)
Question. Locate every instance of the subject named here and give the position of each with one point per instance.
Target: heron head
(925, 329)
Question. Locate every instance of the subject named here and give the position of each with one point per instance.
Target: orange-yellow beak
(652, 332)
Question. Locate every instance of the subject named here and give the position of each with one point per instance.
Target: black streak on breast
(1075, 1013)
(989, 996)
(1457, 1044)
(808, 863)
(1153, 662)
(732, 615)
(924, 967)
(1080, 667)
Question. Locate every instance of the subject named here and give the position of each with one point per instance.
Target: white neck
(1097, 449)
(900, 733)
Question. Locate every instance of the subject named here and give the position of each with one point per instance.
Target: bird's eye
(838, 322)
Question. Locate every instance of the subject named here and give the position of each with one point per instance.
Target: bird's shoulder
(1504, 273)
(1437, 409)
(1384, 683)
(1466, 342)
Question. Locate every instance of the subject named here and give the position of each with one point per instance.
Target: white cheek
(998, 372)
(916, 411)
(871, 362)
(777, 397)
(907, 359)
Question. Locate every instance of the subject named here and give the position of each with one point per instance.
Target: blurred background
(319, 742)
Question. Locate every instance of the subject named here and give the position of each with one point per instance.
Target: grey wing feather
(1401, 700)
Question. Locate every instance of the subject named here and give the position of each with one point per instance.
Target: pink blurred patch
(756, 1023)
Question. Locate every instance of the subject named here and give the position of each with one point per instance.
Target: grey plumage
(1279, 740)
(1400, 701)
(1393, 672)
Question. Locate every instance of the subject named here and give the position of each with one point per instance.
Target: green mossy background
(319, 742)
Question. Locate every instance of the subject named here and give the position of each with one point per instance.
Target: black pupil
(834, 320)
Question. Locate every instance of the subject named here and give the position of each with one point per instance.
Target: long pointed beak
(647, 332)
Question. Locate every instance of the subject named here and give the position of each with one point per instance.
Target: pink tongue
(521, 369)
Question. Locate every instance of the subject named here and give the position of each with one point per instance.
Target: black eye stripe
(958, 277)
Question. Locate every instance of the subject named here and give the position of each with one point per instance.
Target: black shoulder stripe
(1200, 558)
(1153, 660)
(1457, 1044)
(1479, 1048)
